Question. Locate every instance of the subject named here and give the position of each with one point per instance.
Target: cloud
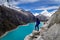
(47, 8)
(2, 1)
(44, 8)
(56, 1)
(16, 2)
(28, 1)
(22, 1)
(45, 13)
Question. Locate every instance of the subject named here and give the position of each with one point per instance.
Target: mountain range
(43, 16)
(10, 18)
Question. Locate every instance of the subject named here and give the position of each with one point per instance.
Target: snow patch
(36, 14)
(46, 13)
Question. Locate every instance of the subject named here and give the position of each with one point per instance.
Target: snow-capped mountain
(46, 13)
(9, 5)
(36, 14)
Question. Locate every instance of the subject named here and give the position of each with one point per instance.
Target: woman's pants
(37, 27)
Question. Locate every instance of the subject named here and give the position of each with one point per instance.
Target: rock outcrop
(51, 30)
(10, 18)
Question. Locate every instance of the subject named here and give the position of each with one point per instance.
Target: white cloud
(56, 1)
(23, 1)
(28, 1)
(47, 8)
(44, 8)
(15, 2)
(2, 1)
(45, 13)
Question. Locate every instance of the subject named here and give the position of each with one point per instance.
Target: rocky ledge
(49, 31)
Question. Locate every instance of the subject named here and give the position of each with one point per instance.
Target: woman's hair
(37, 19)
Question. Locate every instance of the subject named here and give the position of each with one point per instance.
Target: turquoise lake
(21, 32)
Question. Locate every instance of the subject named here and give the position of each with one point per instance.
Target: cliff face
(53, 32)
(53, 25)
(50, 31)
(10, 19)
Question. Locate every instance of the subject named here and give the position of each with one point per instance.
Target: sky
(36, 6)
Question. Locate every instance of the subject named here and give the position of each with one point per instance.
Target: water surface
(21, 32)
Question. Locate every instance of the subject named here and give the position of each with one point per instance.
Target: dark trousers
(37, 27)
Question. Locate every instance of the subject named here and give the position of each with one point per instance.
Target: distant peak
(36, 14)
(46, 13)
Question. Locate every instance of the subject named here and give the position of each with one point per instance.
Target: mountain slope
(10, 19)
(53, 32)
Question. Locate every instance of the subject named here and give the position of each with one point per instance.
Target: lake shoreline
(27, 37)
(12, 30)
(25, 27)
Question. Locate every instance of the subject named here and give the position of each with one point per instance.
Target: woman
(37, 24)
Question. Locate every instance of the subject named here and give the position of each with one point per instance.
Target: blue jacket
(37, 22)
